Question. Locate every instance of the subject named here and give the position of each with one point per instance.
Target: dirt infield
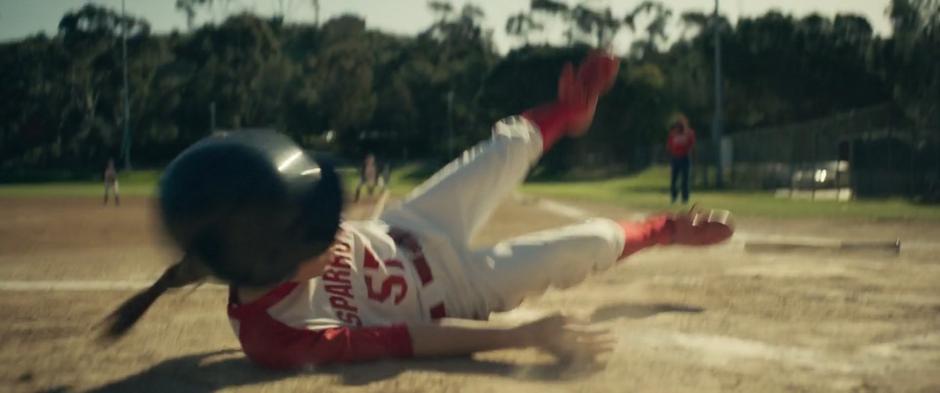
(716, 320)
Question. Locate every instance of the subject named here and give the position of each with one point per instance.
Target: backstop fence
(868, 152)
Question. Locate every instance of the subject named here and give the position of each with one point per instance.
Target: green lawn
(649, 190)
(144, 183)
(645, 191)
(134, 183)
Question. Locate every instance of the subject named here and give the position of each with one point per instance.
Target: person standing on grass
(111, 183)
(368, 176)
(385, 178)
(679, 144)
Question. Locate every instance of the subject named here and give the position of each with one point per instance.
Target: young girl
(410, 285)
(368, 177)
(111, 183)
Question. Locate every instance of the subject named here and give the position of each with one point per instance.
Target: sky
(21, 18)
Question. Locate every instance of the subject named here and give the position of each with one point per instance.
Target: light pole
(716, 119)
(450, 124)
(212, 117)
(126, 140)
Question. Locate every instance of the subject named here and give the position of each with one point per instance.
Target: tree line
(340, 86)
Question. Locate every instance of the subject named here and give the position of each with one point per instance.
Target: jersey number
(392, 284)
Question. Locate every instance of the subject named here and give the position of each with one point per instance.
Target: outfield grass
(645, 191)
(649, 190)
(144, 183)
(133, 183)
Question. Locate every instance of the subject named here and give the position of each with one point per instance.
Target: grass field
(647, 190)
(134, 183)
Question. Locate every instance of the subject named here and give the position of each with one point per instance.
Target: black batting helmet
(251, 205)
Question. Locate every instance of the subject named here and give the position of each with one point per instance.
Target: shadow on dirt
(213, 371)
(637, 311)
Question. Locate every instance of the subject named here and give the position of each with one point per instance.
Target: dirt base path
(688, 320)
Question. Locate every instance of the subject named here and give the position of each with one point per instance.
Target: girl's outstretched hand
(567, 338)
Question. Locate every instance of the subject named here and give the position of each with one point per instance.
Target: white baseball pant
(449, 208)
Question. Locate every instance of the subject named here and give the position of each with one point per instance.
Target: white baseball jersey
(371, 281)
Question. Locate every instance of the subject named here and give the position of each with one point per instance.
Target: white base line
(558, 208)
(74, 285)
(740, 237)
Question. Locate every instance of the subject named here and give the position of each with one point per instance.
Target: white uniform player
(415, 265)
(407, 283)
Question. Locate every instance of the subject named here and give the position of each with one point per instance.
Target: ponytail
(186, 271)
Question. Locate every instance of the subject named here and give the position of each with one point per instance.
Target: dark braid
(186, 271)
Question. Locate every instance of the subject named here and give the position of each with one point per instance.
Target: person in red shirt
(679, 145)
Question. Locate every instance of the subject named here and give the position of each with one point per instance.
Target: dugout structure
(875, 151)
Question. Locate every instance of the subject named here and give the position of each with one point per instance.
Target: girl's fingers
(586, 328)
(595, 336)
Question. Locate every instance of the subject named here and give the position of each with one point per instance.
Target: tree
(694, 20)
(188, 7)
(521, 25)
(912, 58)
(601, 24)
(91, 35)
(443, 9)
(446, 84)
(345, 75)
(228, 64)
(316, 12)
(554, 9)
(659, 16)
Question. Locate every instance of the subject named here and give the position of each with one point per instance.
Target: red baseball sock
(647, 233)
(552, 120)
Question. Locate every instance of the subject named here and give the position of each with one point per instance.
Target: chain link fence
(871, 152)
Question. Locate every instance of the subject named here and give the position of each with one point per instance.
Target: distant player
(111, 183)
(386, 178)
(679, 145)
(408, 284)
(368, 176)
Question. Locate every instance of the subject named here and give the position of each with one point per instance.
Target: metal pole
(450, 125)
(815, 138)
(212, 117)
(716, 120)
(913, 177)
(127, 111)
(838, 168)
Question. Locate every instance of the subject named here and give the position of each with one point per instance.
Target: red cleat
(699, 228)
(693, 228)
(578, 92)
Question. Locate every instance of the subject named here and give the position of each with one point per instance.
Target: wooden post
(792, 163)
(853, 173)
(838, 171)
(911, 171)
(815, 168)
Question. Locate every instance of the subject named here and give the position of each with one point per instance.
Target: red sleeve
(275, 345)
